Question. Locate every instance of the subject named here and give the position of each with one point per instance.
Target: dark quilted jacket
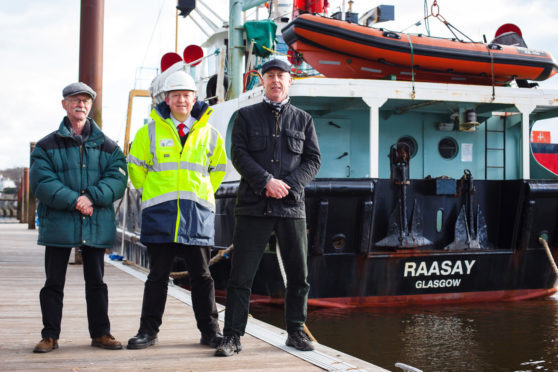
(61, 170)
(265, 144)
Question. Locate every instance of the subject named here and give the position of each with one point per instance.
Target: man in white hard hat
(178, 161)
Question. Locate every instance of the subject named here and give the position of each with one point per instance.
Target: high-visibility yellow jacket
(178, 182)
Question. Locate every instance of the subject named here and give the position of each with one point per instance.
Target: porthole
(411, 142)
(447, 147)
(338, 242)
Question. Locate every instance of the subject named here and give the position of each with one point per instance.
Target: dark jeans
(251, 235)
(161, 257)
(96, 293)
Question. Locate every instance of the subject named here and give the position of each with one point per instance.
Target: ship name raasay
(447, 267)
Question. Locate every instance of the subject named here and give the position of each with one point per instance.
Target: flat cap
(78, 88)
(276, 63)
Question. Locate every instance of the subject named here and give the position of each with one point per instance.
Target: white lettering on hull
(424, 269)
(446, 267)
(442, 283)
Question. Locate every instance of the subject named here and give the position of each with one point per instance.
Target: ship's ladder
(495, 149)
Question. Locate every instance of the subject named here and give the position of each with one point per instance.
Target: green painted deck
(22, 276)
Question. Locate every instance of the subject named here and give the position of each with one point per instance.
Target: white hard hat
(179, 80)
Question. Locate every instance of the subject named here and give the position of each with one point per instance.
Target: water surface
(505, 336)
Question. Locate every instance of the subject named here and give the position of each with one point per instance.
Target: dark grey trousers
(96, 293)
(251, 235)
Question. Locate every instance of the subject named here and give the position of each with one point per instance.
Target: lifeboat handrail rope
(549, 254)
(413, 93)
(492, 71)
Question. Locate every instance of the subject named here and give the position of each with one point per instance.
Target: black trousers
(161, 258)
(251, 235)
(96, 293)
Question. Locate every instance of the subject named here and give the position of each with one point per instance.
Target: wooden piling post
(32, 202)
(25, 196)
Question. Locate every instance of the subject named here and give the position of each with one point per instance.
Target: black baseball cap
(276, 63)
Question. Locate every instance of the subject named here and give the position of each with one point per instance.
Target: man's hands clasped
(84, 205)
(276, 189)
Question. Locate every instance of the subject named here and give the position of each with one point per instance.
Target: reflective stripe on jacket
(179, 183)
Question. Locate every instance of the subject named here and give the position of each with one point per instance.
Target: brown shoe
(45, 345)
(106, 342)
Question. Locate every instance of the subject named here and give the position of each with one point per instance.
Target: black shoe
(142, 340)
(212, 340)
(299, 340)
(228, 346)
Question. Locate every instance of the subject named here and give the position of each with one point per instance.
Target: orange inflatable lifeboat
(340, 49)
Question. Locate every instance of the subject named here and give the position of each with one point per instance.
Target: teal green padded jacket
(61, 170)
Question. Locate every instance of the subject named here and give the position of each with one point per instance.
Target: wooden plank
(21, 278)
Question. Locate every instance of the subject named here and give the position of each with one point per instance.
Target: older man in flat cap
(275, 149)
(76, 173)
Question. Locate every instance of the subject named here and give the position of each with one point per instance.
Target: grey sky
(39, 41)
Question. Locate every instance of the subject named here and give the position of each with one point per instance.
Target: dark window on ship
(410, 141)
(447, 147)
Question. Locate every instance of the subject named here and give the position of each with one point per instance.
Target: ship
(429, 192)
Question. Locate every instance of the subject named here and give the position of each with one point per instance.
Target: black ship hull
(354, 259)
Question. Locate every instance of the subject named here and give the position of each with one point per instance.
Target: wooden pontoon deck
(22, 276)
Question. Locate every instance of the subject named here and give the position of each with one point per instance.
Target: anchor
(399, 233)
(470, 228)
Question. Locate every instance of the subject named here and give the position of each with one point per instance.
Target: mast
(91, 52)
(236, 47)
(236, 42)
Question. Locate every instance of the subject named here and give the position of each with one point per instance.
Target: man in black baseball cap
(276, 63)
(274, 168)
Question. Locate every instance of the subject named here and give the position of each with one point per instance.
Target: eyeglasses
(76, 100)
(185, 94)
